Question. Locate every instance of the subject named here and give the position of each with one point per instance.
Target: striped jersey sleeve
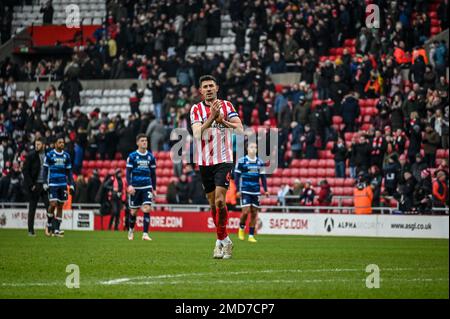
(195, 114)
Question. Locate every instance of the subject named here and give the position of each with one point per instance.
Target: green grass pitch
(180, 265)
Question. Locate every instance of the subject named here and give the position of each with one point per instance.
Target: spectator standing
(440, 190)
(375, 179)
(340, 156)
(362, 198)
(391, 175)
(362, 154)
(309, 140)
(405, 193)
(93, 186)
(48, 11)
(378, 149)
(350, 112)
(116, 191)
(135, 99)
(81, 187)
(33, 176)
(431, 143)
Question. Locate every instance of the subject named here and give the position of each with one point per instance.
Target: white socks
(223, 242)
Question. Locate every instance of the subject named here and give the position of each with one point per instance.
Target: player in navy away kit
(141, 178)
(57, 174)
(248, 172)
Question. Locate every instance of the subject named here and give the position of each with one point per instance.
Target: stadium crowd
(149, 40)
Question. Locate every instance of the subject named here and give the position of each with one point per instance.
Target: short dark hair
(206, 78)
(141, 135)
(60, 137)
(39, 139)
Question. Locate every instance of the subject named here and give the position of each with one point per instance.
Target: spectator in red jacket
(325, 195)
(440, 191)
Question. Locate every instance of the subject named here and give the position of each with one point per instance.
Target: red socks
(222, 227)
(214, 215)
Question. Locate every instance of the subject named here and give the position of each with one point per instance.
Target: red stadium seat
(313, 163)
(330, 163)
(295, 172)
(312, 172)
(296, 163)
(339, 181)
(304, 163)
(286, 172)
(435, 23)
(338, 191)
(321, 172)
(349, 182)
(330, 172)
(303, 172)
(276, 181)
(277, 173)
(322, 163)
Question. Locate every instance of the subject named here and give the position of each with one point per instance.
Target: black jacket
(31, 169)
(340, 153)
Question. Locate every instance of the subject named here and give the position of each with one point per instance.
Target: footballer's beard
(210, 97)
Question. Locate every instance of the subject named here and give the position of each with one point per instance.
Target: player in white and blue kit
(58, 175)
(141, 178)
(249, 175)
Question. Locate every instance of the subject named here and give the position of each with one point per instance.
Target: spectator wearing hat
(440, 190)
(431, 143)
(362, 197)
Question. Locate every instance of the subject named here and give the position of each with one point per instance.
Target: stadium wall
(400, 226)
(403, 226)
(72, 219)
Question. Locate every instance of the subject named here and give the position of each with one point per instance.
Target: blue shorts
(57, 193)
(141, 197)
(249, 200)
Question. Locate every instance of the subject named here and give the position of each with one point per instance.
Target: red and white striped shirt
(217, 141)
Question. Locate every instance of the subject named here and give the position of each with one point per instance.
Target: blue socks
(251, 231)
(132, 221)
(146, 222)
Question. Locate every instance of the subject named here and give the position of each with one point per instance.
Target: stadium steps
(224, 44)
(91, 11)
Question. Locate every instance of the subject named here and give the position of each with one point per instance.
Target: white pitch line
(170, 276)
(148, 280)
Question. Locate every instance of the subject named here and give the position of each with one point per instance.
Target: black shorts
(216, 175)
